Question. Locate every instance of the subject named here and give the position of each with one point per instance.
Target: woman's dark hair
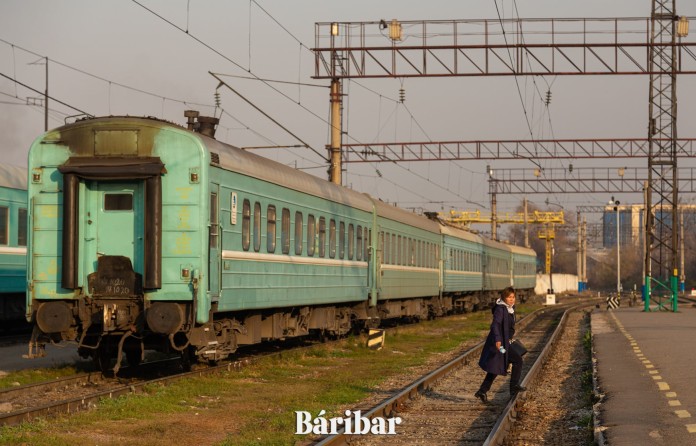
(506, 292)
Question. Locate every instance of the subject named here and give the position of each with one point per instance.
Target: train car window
(257, 226)
(437, 256)
(367, 236)
(246, 224)
(311, 235)
(359, 245)
(399, 260)
(322, 237)
(271, 229)
(393, 250)
(351, 241)
(299, 226)
(404, 251)
(118, 202)
(387, 249)
(341, 240)
(381, 244)
(4, 214)
(22, 228)
(285, 231)
(213, 236)
(332, 238)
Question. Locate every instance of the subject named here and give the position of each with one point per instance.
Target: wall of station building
(562, 283)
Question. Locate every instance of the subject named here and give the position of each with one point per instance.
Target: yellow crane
(549, 219)
(466, 218)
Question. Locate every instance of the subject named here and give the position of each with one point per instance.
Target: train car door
(113, 223)
(214, 243)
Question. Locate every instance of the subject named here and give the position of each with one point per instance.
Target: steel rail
(507, 419)
(85, 402)
(45, 386)
(391, 406)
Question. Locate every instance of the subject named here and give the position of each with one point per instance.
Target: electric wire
(186, 103)
(49, 96)
(517, 82)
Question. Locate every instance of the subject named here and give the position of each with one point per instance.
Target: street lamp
(616, 204)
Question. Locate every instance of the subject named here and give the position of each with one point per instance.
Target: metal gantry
(658, 46)
(662, 247)
(507, 149)
(583, 180)
(509, 47)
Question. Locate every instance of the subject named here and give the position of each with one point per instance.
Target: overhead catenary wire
(266, 115)
(49, 96)
(111, 83)
(258, 78)
(233, 62)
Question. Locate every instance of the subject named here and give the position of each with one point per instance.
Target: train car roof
(237, 160)
(497, 244)
(522, 250)
(13, 177)
(460, 233)
(392, 212)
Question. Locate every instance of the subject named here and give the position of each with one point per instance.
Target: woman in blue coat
(496, 354)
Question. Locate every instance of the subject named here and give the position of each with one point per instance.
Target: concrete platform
(646, 374)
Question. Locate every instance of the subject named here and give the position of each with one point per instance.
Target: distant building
(631, 223)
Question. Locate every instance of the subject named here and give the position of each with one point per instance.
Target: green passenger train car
(523, 268)
(13, 246)
(463, 265)
(147, 235)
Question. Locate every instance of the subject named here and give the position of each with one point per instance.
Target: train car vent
(214, 158)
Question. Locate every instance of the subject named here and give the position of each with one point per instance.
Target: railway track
(440, 407)
(83, 391)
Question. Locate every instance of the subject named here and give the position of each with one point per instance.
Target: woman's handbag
(518, 347)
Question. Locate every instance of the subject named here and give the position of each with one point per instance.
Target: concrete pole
(584, 252)
(494, 215)
(336, 166)
(526, 225)
(618, 251)
(578, 257)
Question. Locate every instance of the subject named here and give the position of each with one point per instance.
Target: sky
(153, 58)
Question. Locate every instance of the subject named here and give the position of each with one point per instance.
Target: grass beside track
(257, 405)
(31, 376)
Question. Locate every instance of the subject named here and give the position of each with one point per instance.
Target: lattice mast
(661, 249)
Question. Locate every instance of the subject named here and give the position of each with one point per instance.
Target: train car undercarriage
(107, 330)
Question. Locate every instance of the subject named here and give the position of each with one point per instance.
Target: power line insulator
(217, 99)
(402, 95)
(548, 97)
